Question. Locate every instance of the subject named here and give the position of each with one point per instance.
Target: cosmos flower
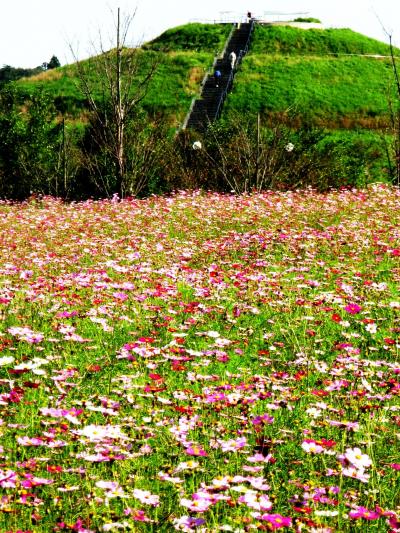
(95, 433)
(353, 309)
(356, 458)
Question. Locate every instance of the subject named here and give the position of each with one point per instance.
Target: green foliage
(53, 63)
(307, 19)
(195, 37)
(8, 73)
(29, 144)
(238, 156)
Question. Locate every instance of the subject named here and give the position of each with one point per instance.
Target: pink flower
(352, 308)
(362, 512)
(196, 451)
(276, 521)
(136, 514)
(233, 445)
(198, 505)
(311, 446)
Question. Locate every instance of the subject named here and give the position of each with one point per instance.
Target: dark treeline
(8, 73)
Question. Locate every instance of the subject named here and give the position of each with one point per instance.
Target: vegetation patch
(288, 40)
(195, 37)
(323, 88)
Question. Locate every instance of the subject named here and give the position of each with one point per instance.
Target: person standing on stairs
(232, 59)
(217, 77)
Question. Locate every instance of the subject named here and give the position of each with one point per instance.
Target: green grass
(194, 37)
(327, 89)
(286, 40)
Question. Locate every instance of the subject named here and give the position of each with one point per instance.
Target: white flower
(371, 328)
(97, 433)
(115, 525)
(212, 334)
(6, 360)
(289, 147)
(197, 145)
(357, 458)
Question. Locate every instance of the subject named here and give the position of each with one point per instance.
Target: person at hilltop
(232, 59)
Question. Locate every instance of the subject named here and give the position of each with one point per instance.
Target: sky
(32, 31)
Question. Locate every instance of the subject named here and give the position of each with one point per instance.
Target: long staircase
(208, 108)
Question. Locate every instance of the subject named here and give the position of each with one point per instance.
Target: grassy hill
(333, 77)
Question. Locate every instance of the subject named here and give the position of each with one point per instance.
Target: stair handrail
(232, 73)
(229, 83)
(205, 77)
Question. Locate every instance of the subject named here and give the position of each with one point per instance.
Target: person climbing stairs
(209, 106)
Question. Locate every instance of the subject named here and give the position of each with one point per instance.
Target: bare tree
(114, 82)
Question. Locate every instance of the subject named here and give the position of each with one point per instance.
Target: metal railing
(229, 83)
(204, 80)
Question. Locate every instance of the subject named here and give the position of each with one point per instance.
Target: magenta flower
(362, 512)
(352, 308)
(276, 521)
(196, 451)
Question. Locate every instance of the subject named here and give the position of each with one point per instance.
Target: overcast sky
(31, 31)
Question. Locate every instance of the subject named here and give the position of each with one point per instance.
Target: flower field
(201, 363)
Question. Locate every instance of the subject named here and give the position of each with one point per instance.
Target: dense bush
(30, 144)
(240, 156)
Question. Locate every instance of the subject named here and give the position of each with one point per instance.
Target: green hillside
(177, 79)
(331, 77)
(194, 37)
(330, 91)
(326, 93)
